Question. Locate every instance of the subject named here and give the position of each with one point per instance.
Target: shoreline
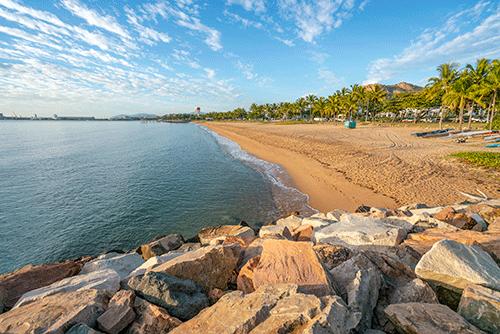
(371, 165)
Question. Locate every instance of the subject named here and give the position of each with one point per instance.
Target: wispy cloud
(313, 18)
(246, 69)
(250, 5)
(463, 37)
(246, 23)
(329, 77)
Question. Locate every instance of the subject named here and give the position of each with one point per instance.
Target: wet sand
(381, 166)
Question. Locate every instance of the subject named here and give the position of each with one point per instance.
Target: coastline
(374, 166)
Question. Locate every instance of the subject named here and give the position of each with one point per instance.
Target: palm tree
(478, 75)
(359, 94)
(492, 85)
(447, 75)
(320, 104)
(376, 94)
(333, 105)
(301, 104)
(458, 93)
(310, 100)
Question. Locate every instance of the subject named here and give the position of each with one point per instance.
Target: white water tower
(197, 111)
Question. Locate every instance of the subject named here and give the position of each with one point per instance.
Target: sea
(78, 188)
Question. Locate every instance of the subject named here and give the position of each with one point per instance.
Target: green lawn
(482, 159)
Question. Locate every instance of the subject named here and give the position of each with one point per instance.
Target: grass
(481, 159)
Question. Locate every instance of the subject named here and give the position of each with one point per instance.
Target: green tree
(448, 73)
(310, 101)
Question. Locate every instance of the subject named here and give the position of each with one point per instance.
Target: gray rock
(116, 318)
(123, 264)
(292, 221)
(209, 233)
(189, 246)
(332, 255)
(453, 265)
(336, 214)
(153, 262)
(362, 296)
(481, 307)
(160, 246)
(318, 222)
(151, 319)
(81, 328)
(414, 291)
(354, 230)
(275, 230)
(422, 318)
(3, 299)
(104, 280)
(182, 298)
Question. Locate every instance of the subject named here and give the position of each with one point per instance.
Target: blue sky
(102, 58)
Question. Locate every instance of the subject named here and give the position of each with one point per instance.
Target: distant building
(1, 115)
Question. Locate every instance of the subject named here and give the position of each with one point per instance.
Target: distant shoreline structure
(81, 118)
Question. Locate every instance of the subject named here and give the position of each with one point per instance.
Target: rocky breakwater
(412, 270)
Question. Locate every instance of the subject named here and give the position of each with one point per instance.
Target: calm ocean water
(69, 189)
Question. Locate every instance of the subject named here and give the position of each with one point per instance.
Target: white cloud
(246, 69)
(313, 18)
(93, 18)
(246, 23)
(329, 77)
(363, 4)
(147, 35)
(447, 43)
(288, 42)
(250, 5)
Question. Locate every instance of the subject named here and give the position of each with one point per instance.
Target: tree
(320, 105)
(375, 94)
(310, 100)
(458, 93)
(478, 74)
(333, 105)
(301, 104)
(447, 75)
(492, 84)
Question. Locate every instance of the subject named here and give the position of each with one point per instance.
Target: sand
(380, 166)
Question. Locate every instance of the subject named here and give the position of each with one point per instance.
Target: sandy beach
(379, 166)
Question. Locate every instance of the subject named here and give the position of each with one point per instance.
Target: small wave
(286, 197)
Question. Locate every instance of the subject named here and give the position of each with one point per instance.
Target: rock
(244, 280)
(422, 318)
(123, 298)
(354, 230)
(481, 307)
(487, 212)
(302, 233)
(244, 242)
(272, 309)
(214, 295)
(81, 328)
(30, 278)
(210, 233)
(423, 242)
(453, 265)
(284, 261)
(189, 246)
(153, 262)
(275, 230)
(123, 264)
(161, 245)
(416, 290)
(332, 255)
(103, 280)
(291, 221)
(253, 250)
(362, 296)
(182, 298)
(317, 222)
(335, 214)
(413, 207)
(460, 220)
(116, 318)
(3, 299)
(211, 266)
(494, 226)
(401, 253)
(152, 319)
(56, 313)
(362, 208)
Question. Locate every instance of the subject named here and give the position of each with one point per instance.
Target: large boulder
(81, 328)
(209, 233)
(354, 230)
(103, 280)
(318, 222)
(481, 307)
(153, 262)
(123, 264)
(422, 318)
(332, 255)
(272, 309)
(453, 265)
(291, 221)
(160, 245)
(458, 219)
(182, 298)
(278, 231)
(211, 266)
(151, 319)
(56, 313)
(33, 277)
(253, 250)
(3, 299)
(284, 261)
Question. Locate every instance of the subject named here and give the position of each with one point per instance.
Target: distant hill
(398, 88)
(135, 116)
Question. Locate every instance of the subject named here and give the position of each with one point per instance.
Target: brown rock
(332, 255)
(460, 220)
(244, 242)
(422, 318)
(414, 291)
(253, 250)
(160, 245)
(152, 319)
(245, 277)
(214, 295)
(115, 319)
(3, 299)
(488, 213)
(494, 225)
(422, 242)
(302, 233)
(59, 311)
(284, 261)
(209, 233)
(33, 277)
(211, 266)
(123, 298)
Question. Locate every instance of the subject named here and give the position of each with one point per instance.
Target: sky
(103, 58)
